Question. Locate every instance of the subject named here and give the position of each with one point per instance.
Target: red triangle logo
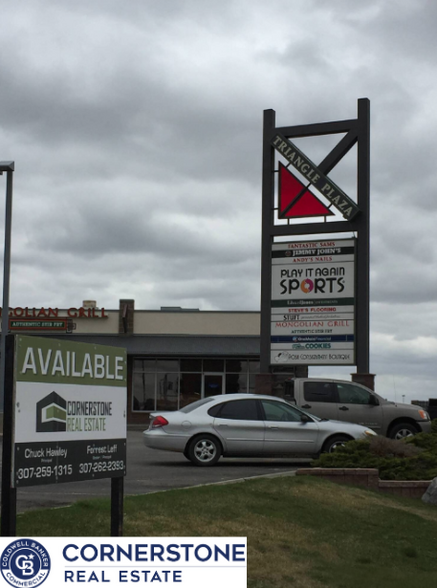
(296, 201)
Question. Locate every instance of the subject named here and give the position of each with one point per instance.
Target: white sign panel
(313, 303)
(70, 411)
(186, 562)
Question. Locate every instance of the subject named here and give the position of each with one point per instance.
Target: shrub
(385, 447)
(411, 459)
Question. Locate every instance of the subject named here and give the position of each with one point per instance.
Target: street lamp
(8, 167)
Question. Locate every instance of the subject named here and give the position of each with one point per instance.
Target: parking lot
(151, 471)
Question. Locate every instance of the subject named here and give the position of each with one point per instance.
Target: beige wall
(102, 325)
(156, 322)
(196, 323)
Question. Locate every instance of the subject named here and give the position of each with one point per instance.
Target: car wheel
(333, 442)
(204, 450)
(402, 431)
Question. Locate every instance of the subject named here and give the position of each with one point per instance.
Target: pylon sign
(314, 293)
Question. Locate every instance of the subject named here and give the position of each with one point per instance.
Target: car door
(285, 433)
(320, 398)
(355, 406)
(240, 426)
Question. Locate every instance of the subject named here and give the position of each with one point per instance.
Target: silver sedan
(246, 425)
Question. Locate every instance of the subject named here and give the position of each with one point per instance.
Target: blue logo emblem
(25, 562)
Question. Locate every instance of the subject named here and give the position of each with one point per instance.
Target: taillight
(159, 421)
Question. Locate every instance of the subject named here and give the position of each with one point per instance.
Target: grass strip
(302, 532)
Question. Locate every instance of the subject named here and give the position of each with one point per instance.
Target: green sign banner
(40, 359)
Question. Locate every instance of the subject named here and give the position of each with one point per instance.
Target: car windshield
(195, 405)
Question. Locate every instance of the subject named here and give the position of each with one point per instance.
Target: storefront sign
(315, 176)
(32, 313)
(70, 411)
(313, 303)
(61, 324)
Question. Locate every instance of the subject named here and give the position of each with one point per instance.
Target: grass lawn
(302, 532)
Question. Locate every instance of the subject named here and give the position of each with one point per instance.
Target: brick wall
(369, 478)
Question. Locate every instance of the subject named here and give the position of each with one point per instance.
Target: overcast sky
(136, 130)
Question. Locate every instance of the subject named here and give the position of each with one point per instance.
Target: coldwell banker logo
(25, 563)
(51, 414)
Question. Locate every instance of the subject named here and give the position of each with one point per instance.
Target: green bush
(412, 459)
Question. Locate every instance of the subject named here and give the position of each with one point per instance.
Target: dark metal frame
(357, 131)
(8, 167)
(8, 490)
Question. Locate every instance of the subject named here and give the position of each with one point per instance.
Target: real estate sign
(69, 411)
(313, 303)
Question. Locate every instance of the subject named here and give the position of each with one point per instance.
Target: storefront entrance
(213, 384)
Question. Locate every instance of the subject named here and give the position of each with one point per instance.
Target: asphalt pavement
(150, 470)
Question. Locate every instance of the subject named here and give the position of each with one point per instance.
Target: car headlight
(423, 415)
(369, 432)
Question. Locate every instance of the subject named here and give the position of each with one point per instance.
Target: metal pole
(6, 276)
(117, 494)
(9, 493)
(363, 242)
(266, 244)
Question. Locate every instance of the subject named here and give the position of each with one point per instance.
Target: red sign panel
(295, 200)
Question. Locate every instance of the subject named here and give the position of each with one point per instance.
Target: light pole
(8, 167)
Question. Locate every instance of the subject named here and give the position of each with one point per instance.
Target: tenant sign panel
(313, 303)
(69, 411)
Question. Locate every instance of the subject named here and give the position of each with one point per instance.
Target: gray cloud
(137, 134)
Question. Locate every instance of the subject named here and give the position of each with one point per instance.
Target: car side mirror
(373, 400)
(305, 418)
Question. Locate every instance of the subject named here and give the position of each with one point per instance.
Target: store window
(214, 365)
(236, 383)
(167, 391)
(143, 392)
(172, 383)
(190, 388)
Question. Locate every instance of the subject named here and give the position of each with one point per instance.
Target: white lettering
(99, 366)
(87, 368)
(29, 361)
(58, 363)
(44, 366)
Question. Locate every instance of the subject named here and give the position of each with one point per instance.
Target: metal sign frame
(356, 132)
(65, 418)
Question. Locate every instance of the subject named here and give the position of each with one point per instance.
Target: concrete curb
(222, 483)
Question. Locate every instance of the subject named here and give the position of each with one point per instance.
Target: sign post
(8, 167)
(67, 407)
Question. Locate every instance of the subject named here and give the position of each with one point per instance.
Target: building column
(126, 317)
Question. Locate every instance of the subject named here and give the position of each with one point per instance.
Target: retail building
(175, 355)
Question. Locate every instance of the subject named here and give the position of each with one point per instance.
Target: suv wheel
(403, 430)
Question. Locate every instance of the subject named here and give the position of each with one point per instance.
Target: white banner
(89, 412)
(313, 302)
(184, 562)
